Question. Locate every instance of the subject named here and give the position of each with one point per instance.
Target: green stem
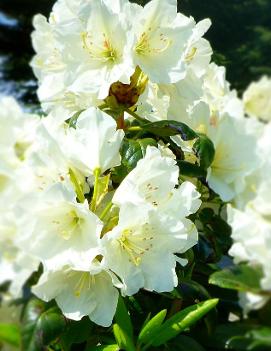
(97, 173)
(103, 106)
(77, 186)
(133, 114)
(106, 210)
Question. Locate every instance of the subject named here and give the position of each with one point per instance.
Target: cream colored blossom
(257, 99)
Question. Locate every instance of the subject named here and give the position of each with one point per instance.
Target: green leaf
(205, 151)
(169, 128)
(259, 339)
(185, 343)
(41, 326)
(191, 170)
(104, 348)
(123, 319)
(181, 321)
(241, 336)
(241, 278)
(134, 150)
(10, 334)
(76, 332)
(122, 339)
(149, 330)
(73, 120)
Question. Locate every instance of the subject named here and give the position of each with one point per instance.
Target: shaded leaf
(76, 332)
(191, 170)
(185, 343)
(241, 278)
(169, 128)
(41, 326)
(241, 336)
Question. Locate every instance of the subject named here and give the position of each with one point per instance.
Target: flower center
(151, 193)
(84, 282)
(69, 225)
(103, 51)
(20, 149)
(189, 57)
(136, 244)
(152, 43)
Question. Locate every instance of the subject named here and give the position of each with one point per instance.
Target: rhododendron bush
(135, 211)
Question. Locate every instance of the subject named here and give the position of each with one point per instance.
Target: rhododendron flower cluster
(101, 194)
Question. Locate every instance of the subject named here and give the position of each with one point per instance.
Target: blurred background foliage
(240, 36)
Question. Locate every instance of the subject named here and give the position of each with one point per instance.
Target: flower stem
(133, 114)
(97, 173)
(106, 210)
(77, 186)
(121, 122)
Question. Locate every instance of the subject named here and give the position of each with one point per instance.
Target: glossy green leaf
(169, 128)
(134, 150)
(241, 278)
(123, 319)
(41, 326)
(182, 321)
(191, 170)
(149, 330)
(205, 150)
(10, 334)
(122, 339)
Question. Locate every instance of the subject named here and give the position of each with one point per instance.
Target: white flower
(183, 96)
(152, 225)
(17, 133)
(257, 99)
(251, 233)
(141, 248)
(199, 51)
(249, 301)
(95, 142)
(257, 194)
(235, 157)
(152, 181)
(152, 184)
(161, 36)
(60, 230)
(80, 293)
(15, 265)
(236, 152)
(82, 56)
(218, 95)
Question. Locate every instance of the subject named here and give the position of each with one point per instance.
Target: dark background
(240, 37)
